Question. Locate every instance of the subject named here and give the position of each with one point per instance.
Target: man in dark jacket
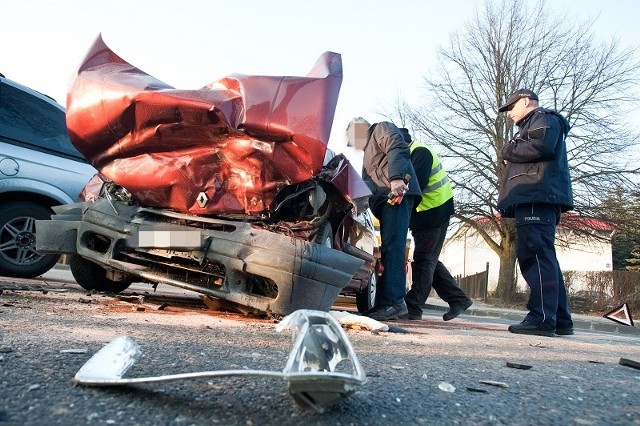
(388, 172)
(429, 223)
(535, 189)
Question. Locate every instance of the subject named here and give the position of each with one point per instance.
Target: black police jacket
(537, 170)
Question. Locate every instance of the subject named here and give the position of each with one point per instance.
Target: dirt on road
(427, 372)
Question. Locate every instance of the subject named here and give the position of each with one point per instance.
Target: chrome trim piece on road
(322, 368)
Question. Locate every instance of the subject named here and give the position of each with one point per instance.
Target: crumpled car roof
(237, 140)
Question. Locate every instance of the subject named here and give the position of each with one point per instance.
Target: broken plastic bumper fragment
(322, 368)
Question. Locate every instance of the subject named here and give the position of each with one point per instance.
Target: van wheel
(93, 277)
(18, 255)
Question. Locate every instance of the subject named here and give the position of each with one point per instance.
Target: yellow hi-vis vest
(438, 190)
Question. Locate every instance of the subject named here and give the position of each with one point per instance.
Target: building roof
(572, 220)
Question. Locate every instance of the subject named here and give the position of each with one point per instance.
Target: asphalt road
(437, 373)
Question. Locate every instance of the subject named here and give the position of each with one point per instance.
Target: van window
(35, 123)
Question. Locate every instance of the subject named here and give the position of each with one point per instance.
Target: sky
(387, 47)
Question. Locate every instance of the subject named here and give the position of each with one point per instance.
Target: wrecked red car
(228, 190)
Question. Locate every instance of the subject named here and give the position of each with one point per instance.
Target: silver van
(39, 168)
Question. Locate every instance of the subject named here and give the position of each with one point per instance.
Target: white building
(466, 253)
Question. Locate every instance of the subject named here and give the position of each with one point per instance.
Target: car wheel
(367, 298)
(92, 276)
(18, 255)
(324, 236)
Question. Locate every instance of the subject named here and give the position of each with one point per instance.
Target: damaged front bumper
(240, 262)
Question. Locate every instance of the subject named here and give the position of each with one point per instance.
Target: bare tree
(517, 44)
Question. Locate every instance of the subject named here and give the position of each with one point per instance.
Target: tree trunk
(507, 277)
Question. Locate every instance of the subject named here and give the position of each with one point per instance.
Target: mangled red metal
(228, 147)
(275, 221)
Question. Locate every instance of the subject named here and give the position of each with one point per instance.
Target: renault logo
(202, 199)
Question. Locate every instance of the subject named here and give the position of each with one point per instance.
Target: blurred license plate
(171, 239)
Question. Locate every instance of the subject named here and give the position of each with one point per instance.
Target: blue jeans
(394, 226)
(536, 228)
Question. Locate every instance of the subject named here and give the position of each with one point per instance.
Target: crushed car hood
(228, 147)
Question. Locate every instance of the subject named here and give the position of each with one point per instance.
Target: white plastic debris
(446, 387)
(350, 320)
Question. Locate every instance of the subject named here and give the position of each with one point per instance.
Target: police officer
(535, 189)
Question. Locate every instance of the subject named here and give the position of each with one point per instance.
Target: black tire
(93, 277)
(367, 299)
(324, 236)
(18, 255)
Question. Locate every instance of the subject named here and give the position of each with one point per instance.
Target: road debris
(446, 387)
(629, 363)
(470, 389)
(320, 345)
(518, 366)
(74, 351)
(24, 287)
(494, 383)
(141, 303)
(130, 299)
(358, 322)
(397, 329)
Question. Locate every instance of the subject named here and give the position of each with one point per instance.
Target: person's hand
(398, 187)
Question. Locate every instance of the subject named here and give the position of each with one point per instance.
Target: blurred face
(520, 108)
(357, 134)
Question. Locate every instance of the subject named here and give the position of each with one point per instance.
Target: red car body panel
(238, 140)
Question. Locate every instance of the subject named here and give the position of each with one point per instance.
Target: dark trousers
(536, 228)
(428, 271)
(394, 226)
